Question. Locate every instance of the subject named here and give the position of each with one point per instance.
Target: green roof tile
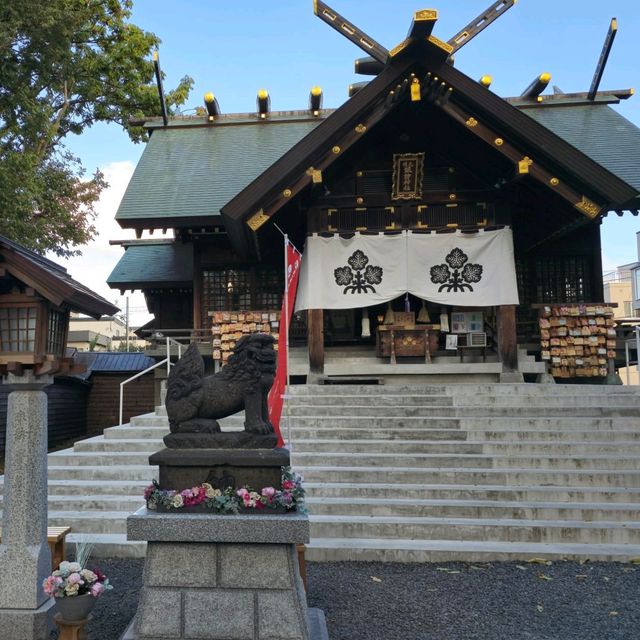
(599, 132)
(192, 171)
(166, 264)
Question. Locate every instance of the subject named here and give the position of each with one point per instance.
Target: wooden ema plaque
(229, 326)
(577, 340)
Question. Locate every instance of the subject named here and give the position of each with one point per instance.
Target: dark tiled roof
(192, 170)
(108, 362)
(165, 264)
(70, 291)
(599, 132)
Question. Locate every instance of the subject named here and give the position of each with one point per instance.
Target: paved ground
(452, 601)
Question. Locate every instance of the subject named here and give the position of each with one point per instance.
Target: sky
(235, 48)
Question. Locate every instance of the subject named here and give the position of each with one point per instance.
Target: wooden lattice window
(241, 289)
(18, 329)
(56, 331)
(563, 279)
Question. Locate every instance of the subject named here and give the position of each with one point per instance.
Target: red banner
(276, 395)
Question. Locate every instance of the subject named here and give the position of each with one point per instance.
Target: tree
(65, 65)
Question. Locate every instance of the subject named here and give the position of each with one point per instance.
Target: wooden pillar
(315, 338)
(507, 338)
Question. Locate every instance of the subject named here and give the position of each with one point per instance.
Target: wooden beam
(579, 201)
(422, 24)
(315, 338)
(342, 144)
(604, 56)
(537, 86)
(350, 31)
(480, 23)
(507, 337)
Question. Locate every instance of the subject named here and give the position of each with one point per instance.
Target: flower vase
(74, 608)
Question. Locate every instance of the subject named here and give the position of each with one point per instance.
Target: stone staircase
(412, 472)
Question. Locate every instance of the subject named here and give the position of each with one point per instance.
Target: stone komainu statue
(195, 402)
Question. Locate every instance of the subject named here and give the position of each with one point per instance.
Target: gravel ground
(449, 601)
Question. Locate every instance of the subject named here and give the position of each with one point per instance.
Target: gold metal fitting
(499, 142)
(287, 193)
(359, 200)
(361, 128)
(554, 182)
(452, 196)
(336, 149)
(471, 122)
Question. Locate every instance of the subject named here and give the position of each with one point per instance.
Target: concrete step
(495, 493)
(466, 400)
(511, 390)
(365, 434)
(71, 487)
(333, 549)
(74, 458)
(594, 478)
(380, 400)
(96, 502)
(507, 530)
(445, 461)
(127, 432)
(458, 508)
(106, 473)
(109, 545)
(377, 414)
(400, 446)
(101, 444)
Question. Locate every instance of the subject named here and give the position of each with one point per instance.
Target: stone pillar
(222, 576)
(25, 560)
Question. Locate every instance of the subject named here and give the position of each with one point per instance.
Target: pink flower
(241, 493)
(268, 492)
(148, 491)
(75, 578)
(287, 485)
(186, 493)
(51, 584)
(97, 589)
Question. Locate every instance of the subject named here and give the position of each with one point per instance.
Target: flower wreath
(289, 498)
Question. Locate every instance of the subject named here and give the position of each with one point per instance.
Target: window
(18, 329)
(55, 337)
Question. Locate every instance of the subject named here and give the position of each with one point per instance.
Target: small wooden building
(36, 297)
(549, 167)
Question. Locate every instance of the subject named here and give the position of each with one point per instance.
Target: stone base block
(315, 619)
(28, 624)
(221, 577)
(511, 377)
(185, 468)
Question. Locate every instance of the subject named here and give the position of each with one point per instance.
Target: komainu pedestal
(222, 576)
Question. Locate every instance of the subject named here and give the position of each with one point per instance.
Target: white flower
(210, 492)
(74, 567)
(72, 589)
(88, 575)
(177, 501)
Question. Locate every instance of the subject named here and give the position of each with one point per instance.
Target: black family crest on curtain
(359, 276)
(457, 274)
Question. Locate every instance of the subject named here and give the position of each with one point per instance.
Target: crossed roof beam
(420, 36)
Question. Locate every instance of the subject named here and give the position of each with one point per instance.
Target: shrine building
(443, 228)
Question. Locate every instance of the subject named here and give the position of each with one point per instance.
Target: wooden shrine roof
(191, 168)
(164, 264)
(50, 280)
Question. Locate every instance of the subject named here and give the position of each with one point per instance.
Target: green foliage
(65, 65)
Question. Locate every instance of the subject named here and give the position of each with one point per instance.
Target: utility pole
(127, 321)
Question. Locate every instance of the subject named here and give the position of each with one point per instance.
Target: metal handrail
(167, 361)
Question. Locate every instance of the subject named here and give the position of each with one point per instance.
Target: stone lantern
(36, 296)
